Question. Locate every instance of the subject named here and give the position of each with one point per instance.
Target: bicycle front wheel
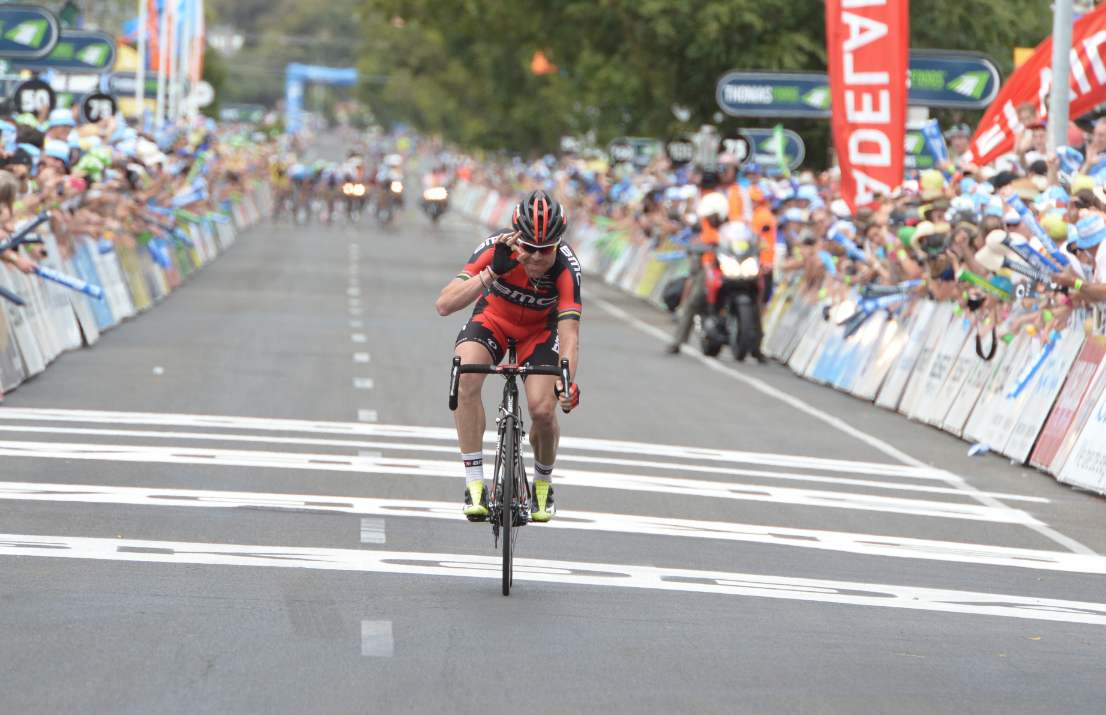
(507, 474)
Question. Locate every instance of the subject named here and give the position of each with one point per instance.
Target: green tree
(461, 67)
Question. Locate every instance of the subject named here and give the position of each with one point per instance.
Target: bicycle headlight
(397, 187)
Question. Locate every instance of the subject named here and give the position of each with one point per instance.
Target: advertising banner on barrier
(1085, 371)
(891, 392)
(867, 46)
(1041, 394)
(995, 134)
(1086, 466)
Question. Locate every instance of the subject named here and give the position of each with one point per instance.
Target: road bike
(510, 499)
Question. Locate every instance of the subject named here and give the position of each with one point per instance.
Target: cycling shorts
(538, 344)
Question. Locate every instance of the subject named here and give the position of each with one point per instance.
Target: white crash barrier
(1036, 403)
(56, 319)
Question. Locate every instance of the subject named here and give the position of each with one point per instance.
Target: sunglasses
(543, 250)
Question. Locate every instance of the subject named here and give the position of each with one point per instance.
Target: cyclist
(526, 285)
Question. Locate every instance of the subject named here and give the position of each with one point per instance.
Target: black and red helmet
(540, 219)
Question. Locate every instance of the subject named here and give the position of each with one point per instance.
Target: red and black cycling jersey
(514, 297)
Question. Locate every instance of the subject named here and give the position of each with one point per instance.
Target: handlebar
(504, 370)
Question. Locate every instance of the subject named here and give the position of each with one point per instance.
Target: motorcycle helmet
(713, 204)
(540, 219)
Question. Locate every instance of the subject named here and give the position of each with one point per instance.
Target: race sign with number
(97, 106)
(737, 145)
(621, 151)
(33, 96)
(680, 150)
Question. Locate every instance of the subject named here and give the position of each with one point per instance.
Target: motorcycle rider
(713, 210)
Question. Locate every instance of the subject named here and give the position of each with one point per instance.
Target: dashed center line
(360, 357)
(363, 383)
(358, 338)
(366, 415)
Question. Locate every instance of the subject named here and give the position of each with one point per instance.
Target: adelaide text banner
(1032, 81)
(867, 47)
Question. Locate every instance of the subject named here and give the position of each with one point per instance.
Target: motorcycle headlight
(436, 194)
(729, 266)
(347, 189)
(359, 190)
(750, 267)
(397, 187)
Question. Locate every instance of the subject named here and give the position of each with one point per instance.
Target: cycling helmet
(540, 219)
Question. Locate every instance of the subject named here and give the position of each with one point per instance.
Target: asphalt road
(730, 538)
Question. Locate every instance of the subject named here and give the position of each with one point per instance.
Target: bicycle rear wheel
(507, 467)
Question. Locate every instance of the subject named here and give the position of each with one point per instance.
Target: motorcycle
(391, 201)
(435, 201)
(355, 198)
(733, 293)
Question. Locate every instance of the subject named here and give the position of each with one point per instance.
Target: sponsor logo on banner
(27, 32)
(76, 52)
(867, 45)
(775, 94)
(765, 153)
(995, 134)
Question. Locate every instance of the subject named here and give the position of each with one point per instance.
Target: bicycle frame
(509, 502)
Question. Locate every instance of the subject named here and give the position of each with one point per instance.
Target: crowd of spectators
(115, 181)
(957, 232)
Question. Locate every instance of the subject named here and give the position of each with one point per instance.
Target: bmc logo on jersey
(523, 298)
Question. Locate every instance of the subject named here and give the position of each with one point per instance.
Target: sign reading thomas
(774, 94)
(27, 32)
(76, 52)
(956, 80)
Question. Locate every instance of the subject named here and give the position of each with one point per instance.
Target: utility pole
(1061, 71)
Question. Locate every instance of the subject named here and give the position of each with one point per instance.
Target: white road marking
(561, 458)
(366, 415)
(372, 531)
(842, 542)
(354, 302)
(449, 434)
(835, 422)
(353, 291)
(558, 572)
(363, 383)
(376, 638)
(565, 477)
(360, 357)
(356, 324)
(358, 338)
(158, 370)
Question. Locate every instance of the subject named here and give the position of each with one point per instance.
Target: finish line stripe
(450, 435)
(558, 572)
(862, 544)
(565, 477)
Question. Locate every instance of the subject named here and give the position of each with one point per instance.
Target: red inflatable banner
(867, 48)
(1032, 81)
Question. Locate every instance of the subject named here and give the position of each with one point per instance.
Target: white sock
(474, 466)
(543, 472)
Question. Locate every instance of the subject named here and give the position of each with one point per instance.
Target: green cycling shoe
(476, 502)
(542, 507)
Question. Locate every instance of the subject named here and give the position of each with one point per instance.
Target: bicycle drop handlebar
(504, 370)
